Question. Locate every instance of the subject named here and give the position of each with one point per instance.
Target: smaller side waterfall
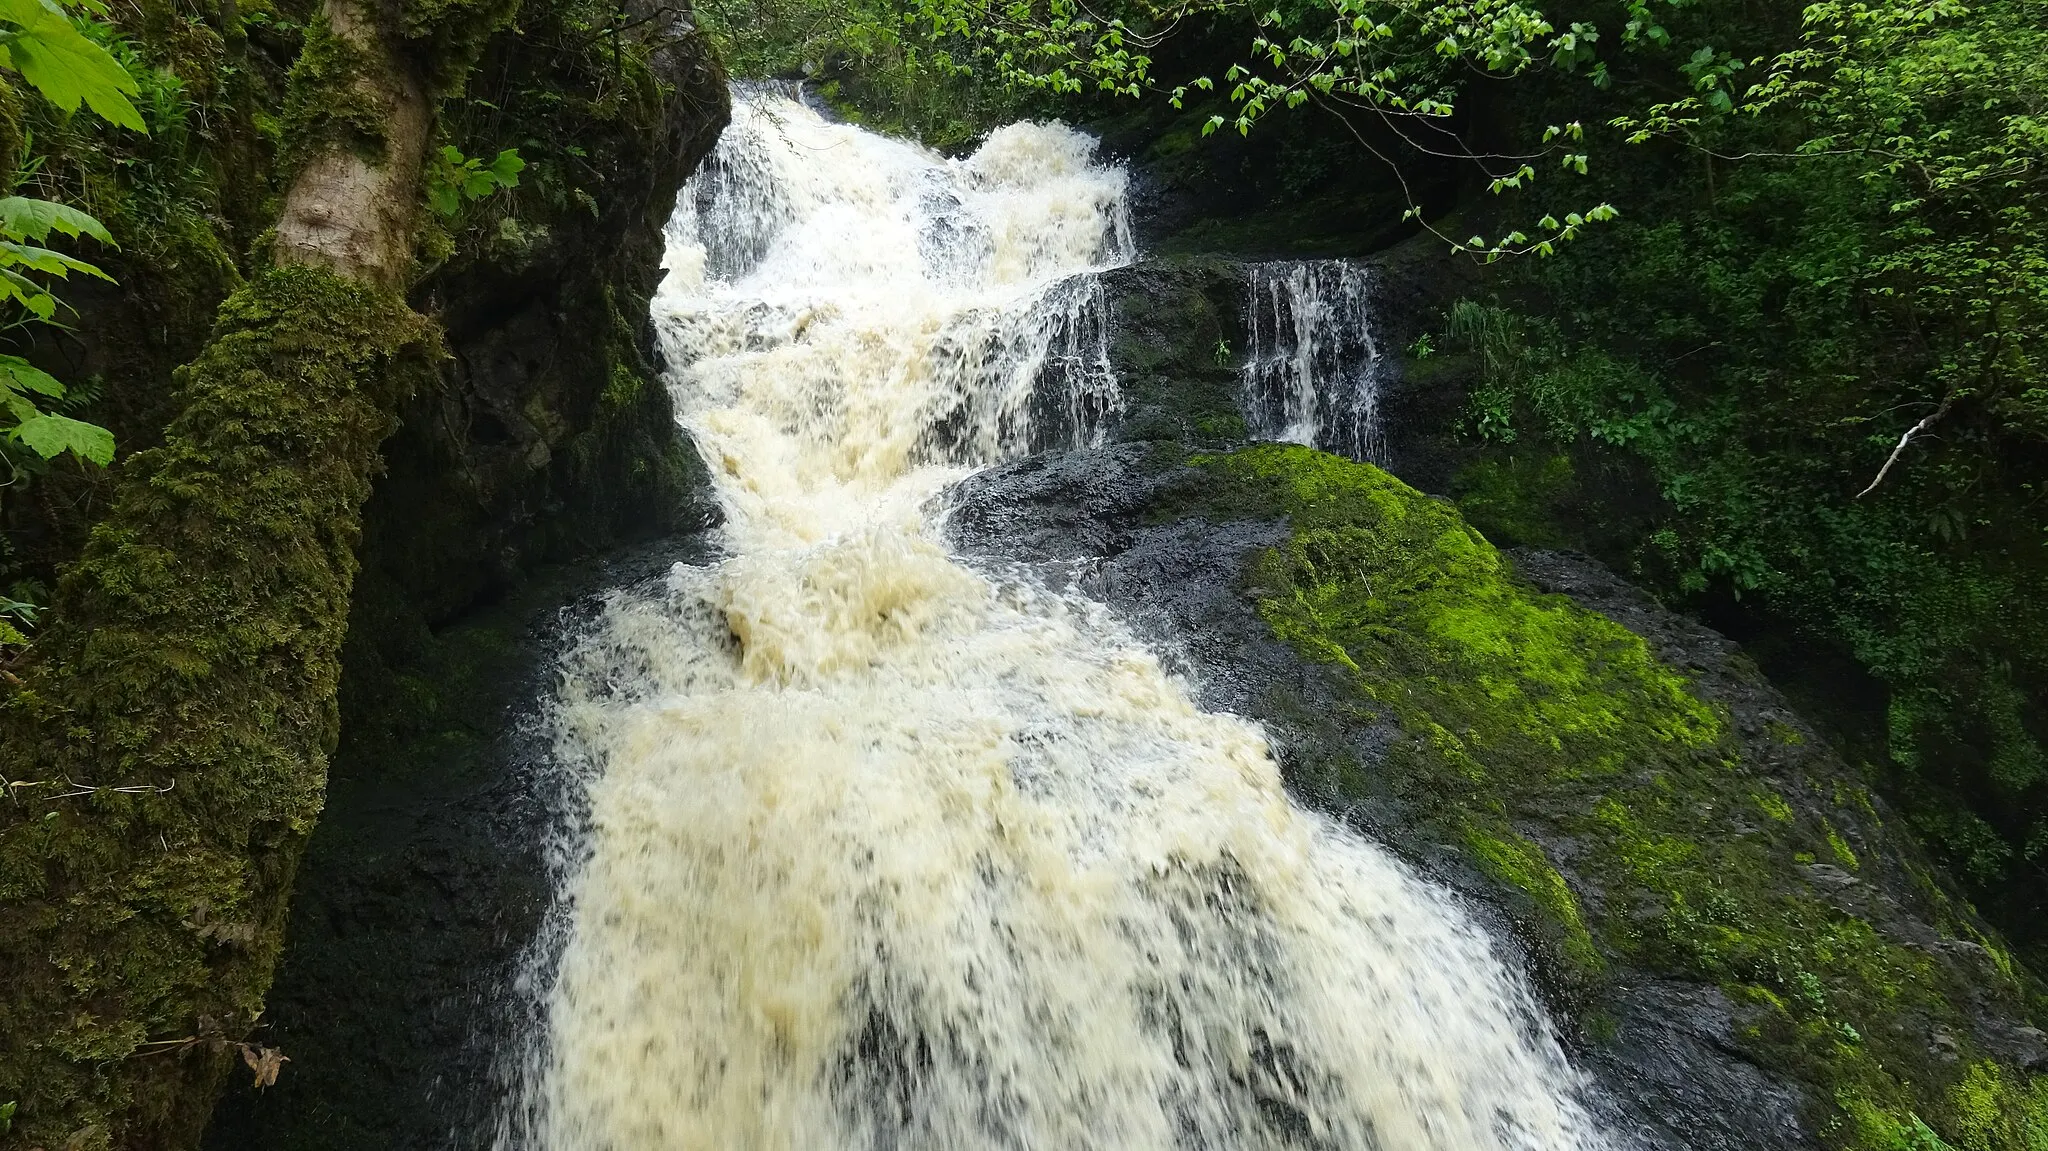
(1313, 376)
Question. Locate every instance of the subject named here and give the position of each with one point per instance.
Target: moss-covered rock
(550, 436)
(1738, 942)
(1177, 337)
(1531, 720)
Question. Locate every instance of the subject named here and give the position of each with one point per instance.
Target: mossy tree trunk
(166, 747)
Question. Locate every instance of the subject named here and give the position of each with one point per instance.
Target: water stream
(870, 849)
(1312, 375)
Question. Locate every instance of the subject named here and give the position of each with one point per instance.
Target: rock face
(398, 995)
(1744, 950)
(551, 436)
(1182, 330)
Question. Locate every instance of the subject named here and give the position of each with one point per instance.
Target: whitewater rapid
(875, 850)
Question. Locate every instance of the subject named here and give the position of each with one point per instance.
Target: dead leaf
(266, 1062)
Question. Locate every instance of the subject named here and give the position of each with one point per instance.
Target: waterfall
(872, 850)
(1312, 375)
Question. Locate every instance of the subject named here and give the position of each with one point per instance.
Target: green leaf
(507, 166)
(15, 286)
(18, 373)
(18, 405)
(50, 436)
(64, 66)
(44, 260)
(23, 218)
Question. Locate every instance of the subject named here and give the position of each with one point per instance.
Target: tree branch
(1916, 429)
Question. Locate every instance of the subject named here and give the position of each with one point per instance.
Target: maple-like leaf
(24, 218)
(52, 435)
(63, 65)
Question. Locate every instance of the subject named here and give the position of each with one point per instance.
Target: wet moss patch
(1644, 827)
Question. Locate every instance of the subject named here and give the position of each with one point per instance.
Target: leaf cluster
(453, 178)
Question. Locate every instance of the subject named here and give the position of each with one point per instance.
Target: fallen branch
(266, 1062)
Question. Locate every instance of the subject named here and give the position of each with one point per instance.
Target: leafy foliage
(41, 41)
(453, 178)
(24, 224)
(46, 47)
(47, 435)
(1829, 368)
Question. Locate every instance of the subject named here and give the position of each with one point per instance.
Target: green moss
(1525, 711)
(450, 35)
(1516, 498)
(1520, 864)
(328, 101)
(194, 656)
(10, 133)
(1873, 1127)
(622, 388)
(1844, 854)
(1996, 1107)
(1774, 805)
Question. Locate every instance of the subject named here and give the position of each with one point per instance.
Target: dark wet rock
(398, 998)
(1677, 1061)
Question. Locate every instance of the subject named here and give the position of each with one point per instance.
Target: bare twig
(1898, 449)
(78, 789)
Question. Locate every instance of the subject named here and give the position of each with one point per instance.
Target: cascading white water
(1313, 372)
(882, 852)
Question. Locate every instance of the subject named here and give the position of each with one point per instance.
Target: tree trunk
(347, 213)
(165, 751)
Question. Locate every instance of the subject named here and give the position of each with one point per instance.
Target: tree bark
(353, 214)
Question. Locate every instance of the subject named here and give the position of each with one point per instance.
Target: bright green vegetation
(51, 50)
(1578, 770)
(1795, 327)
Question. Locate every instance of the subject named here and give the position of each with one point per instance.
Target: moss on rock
(1591, 782)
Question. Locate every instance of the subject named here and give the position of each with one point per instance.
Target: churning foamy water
(879, 853)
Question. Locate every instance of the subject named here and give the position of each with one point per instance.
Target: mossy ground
(1605, 796)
